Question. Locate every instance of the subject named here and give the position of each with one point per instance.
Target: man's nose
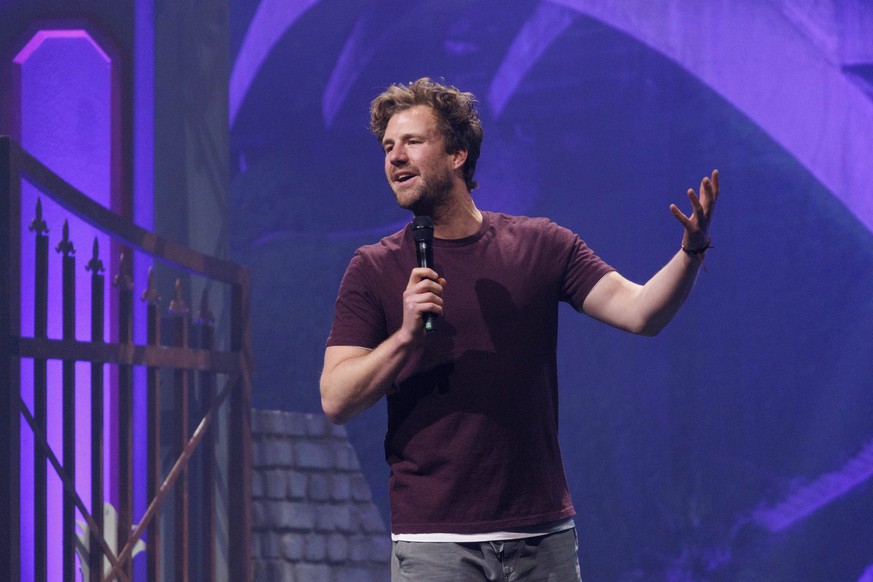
(397, 155)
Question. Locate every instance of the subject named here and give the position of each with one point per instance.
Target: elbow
(649, 327)
(337, 409)
(334, 410)
(331, 406)
(335, 417)
(650, 330)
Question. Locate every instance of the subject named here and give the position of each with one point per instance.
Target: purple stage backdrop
(735, 445)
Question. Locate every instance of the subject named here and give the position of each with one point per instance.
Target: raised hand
(697, 225)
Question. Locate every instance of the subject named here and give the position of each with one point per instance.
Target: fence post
(10, 436)
(153, 464)
(40, 385)
(124, 284)
(68, 292)
(179, 311)
(95, 559)
(206, 477)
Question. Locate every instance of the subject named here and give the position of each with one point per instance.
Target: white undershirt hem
(494, 536)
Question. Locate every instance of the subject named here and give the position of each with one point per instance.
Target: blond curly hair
(457, 117)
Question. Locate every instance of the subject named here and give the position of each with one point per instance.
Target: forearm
(351, 384)
(661, 297)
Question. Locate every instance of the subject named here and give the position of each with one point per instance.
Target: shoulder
(374, 265)
(386, 247)
(530, 228)
(370, 265)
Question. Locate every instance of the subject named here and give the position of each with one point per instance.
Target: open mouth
(403, 177)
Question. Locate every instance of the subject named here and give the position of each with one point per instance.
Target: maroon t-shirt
(472, 438)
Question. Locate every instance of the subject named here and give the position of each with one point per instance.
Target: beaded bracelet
(697, 252)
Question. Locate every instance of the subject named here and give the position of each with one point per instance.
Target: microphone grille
(422, 228)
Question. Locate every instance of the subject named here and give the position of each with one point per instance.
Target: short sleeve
(359, 319)
(584, 269)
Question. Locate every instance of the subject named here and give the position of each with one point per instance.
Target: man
(477, 484)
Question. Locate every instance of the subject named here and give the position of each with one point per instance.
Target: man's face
(419, 170)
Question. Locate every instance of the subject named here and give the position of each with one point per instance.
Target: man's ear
(459, 158)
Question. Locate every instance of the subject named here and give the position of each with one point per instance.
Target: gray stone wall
(313, 519)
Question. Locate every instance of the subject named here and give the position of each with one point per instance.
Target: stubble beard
(428, 196)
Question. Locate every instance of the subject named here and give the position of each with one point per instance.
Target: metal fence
(203, 375)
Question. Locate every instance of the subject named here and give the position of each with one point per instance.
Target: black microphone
(422, 233)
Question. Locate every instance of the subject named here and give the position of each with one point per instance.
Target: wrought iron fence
(203, 373)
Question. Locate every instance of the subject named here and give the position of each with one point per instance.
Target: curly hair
(457, 118)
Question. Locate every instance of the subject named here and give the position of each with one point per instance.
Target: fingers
(697, 224)
(424, 279)
(697, 208)
(709, 192)
(423, 293)
(684, 220)
(695, 198)
(420, 274)
(703, 203)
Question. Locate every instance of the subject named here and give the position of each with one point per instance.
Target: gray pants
(547, 558)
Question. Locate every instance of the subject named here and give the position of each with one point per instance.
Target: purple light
(774, 71)
(272, 19)
(545, 25)
(779, 74)
(357, 52)
(43, 35)
(826, 488)
(66, 123)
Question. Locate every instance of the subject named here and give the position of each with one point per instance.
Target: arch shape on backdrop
(271, 21)
(805, 124)
(748, 52)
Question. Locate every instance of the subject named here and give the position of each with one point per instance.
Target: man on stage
(477, 483)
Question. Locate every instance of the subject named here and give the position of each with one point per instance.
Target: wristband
(697, 252)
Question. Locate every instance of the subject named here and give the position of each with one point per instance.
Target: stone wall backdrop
(313, 519)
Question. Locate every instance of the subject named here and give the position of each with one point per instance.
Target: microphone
(422, 233)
